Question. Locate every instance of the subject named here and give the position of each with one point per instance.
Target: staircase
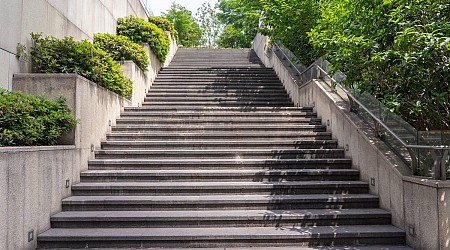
(218, 156)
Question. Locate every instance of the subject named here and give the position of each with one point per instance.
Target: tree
(399, 51)
(209, 24)
(189, 32)
(241, 20)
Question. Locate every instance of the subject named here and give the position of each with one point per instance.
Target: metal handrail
(439, 160)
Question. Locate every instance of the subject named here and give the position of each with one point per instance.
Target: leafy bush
(165, 25)
(141, 31)
(53, 55)
(121, 48)
(32, 121)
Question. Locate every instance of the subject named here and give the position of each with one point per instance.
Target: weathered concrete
(31, 188)
(80, 19)
(419, 206)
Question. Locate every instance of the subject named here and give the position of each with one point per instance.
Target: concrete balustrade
(419, 206)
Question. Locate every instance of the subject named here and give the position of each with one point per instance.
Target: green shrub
(121, 48)
(32, 121)
(53, 55)
(141, 31)
(165, 25)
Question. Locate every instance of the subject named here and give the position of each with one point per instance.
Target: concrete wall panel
(4, 191)
(4, 70)
(444, 217)
(10, 23)
(16, 200)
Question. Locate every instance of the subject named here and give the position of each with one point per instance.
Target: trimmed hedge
(32, 121)
(121, 48)
(165, 25)
(141, 31)
(53, 55)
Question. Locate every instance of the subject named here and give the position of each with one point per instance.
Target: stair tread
(212, 172)
(219, 199)
(222, 233)
(221, 214)
(215, 184)
(219, 161)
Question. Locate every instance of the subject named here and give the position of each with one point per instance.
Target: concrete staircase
(218, 156)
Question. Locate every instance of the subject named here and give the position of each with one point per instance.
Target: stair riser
(200, 129)
(213, 243)
(191, 178)
(218, 145)
(124, 166)
(218, 222)
(204, 155)
(206, 137)
(185, 206)
(219, 191)
(213, 120)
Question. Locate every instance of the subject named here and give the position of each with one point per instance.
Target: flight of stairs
(218, 156)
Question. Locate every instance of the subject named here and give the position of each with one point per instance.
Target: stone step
(214, 91)
(208, 136)
(357, 247)
(238, 81)
(216, 120)
(219, 218)
(220, 153)
(217, 66)
(216, 237)
(168, 164)
(186, 114)
(220, 144)
(209, 175)
(221, 109)
(215, 188)
(216, 95)
(201, 86)
(218, 99)
(225, 103)
(228, 74)
(222, 128)
(235, 70)
(219, 77)
(219, 202)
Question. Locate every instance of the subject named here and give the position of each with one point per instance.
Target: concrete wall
(32, 184)
(95, 108)
(77, 18)
(419, 206)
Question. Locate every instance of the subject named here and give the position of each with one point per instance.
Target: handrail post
(414, 161)
(440, 164)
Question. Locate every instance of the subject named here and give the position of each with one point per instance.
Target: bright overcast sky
(159, 6)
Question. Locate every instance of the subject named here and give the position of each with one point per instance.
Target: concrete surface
(79, 19)
(31, 188)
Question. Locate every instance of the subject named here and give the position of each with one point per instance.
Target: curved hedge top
(53, 55)
(32, 121)
(165, 25)
(139, 30)
(121, 48)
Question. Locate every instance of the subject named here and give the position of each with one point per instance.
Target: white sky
(159, 6)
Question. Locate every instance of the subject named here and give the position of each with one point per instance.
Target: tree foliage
(209, 24)
(241, 21)
(189, 32)
(397, 50)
